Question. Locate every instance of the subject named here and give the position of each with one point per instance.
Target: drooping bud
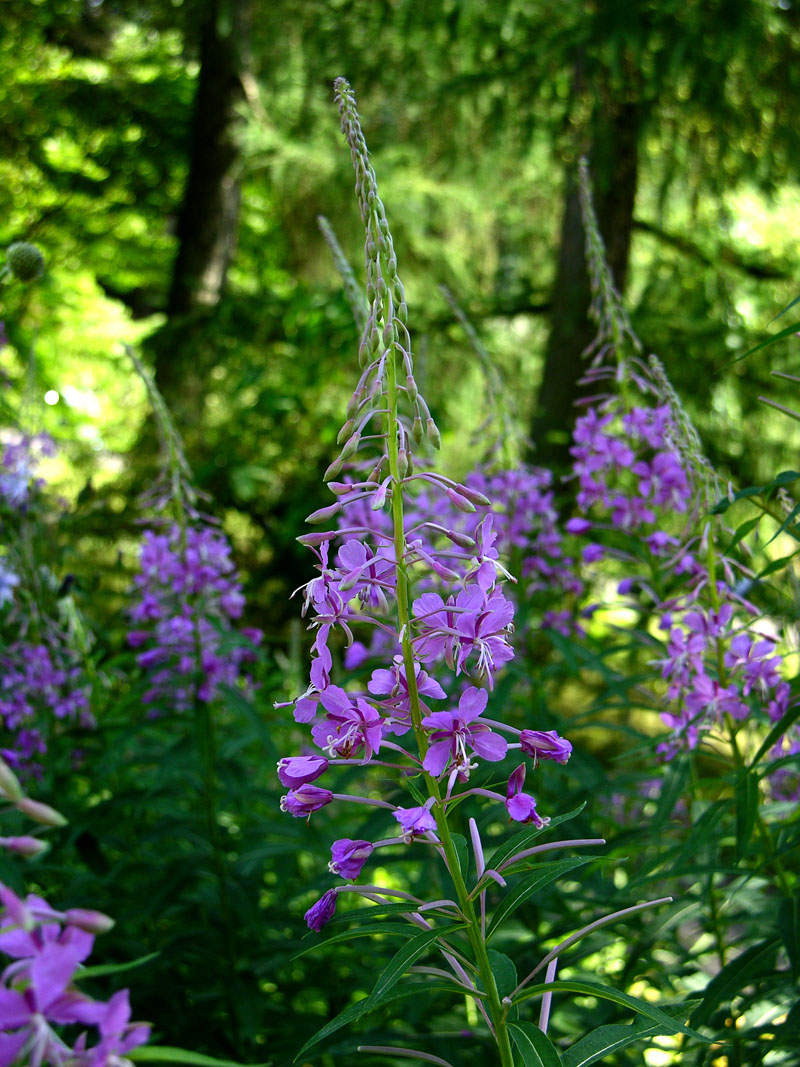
(411, 388)
(460, 501)
(333, 469)
(345, 431)
(402, 463)
(473, 495)
(432, 432)
(93, 922)
(417, 432)
(351, 446)
(379, 496)
(25, 261)
(9, 784)
(313, 540)
(41, 813)
(460, 539)
(24, 846)
(323, 514)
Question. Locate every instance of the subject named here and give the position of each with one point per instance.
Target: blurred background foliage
(171, 158)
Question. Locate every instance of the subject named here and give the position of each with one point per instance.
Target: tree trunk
(208, 218)
(613, 168)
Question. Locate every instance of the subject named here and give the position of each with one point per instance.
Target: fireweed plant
(433, 736)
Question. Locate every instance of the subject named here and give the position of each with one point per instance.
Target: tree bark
(613, 164)
(208, 218)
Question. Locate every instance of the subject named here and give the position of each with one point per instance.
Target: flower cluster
(46, 949)
(20, 459)
(407, 571)
(187, 598)
(40, 686)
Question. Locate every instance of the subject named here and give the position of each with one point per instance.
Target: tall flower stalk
(434, 595)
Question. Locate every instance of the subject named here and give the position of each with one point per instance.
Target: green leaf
(535, 1047)
(778, 730)
(594, 989)
(525, 889)
(746, 810)
(103, 969)
(788, 307)
(391, 974)
(167, 1054)
(504, 971)
(755, 961)
(615, 1036)
(525, 839)
(742, 531)
(370, 930)
(787, 331)
(776, 565)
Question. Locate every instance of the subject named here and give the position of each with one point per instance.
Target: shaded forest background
(171, 159)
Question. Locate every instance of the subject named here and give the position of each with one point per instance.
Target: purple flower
(545, 744)
(305, 800)
(348, 857)
(521, 806)
(415, 821)
(351, 725)
(295, 771)
(454, 732)
(322, 912)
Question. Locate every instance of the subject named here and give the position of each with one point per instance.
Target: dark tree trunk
(613, 166)
(209, 212)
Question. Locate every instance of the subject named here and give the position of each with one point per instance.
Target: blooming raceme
(187, 600)
(428, 596)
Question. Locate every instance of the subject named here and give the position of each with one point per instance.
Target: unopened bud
(402, 463)
(402, 312)
(323, 514)
(314, 540)
(345, 431)
(411, 388)
(460, 539)
(339, 488)
(474, 495)
(354, 403)
(24, 846)
(93, 922)
(417, 432)
(41, 813)
(351, 446)
(377, 470)
(379, 496)
(25, 261)
(460, 501)
(333, 470)
(9, 784)
(432, 431)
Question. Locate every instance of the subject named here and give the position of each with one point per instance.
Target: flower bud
(345, 431)
(473, 495)
(323, 514)
(379, 496)
(417, 431)
(432, 432)
(25, 261)
(460, 501)
(333, 469)
(9, 784)
(41, 813)
(351, 446)
(24, 846)
(411, 388)
(93, 922)
(402, 463)
(313, 540)
(460, 539)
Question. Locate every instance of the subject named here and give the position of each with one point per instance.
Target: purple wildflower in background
(187, 600)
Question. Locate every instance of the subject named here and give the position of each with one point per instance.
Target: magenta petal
(472, 703)
(436, 757)
(490, 746)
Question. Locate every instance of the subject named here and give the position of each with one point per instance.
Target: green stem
(493, 1003)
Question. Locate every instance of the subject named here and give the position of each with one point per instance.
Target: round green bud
(25, 261)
